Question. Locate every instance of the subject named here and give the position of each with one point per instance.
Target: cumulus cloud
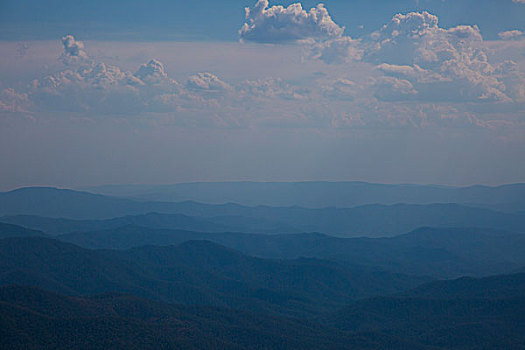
(279, 24)
(153, 72)
(207, 83)
(513, 78)
(73, 50)
(91, 88)
(322, 38)
(393, 89)
(105, 88)
(86, 85)
(417, 38)
(414, 73)
(271, 88)
(440, 64)
(13, 102)
(438, 68)
(340, 89)
(337, 51)
(22, 49)
(511, 35)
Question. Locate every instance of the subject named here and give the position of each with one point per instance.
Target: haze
(427, 92)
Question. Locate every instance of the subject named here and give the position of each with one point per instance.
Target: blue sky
(428, 91)
(220, 20)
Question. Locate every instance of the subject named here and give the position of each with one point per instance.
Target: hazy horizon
(88, 187)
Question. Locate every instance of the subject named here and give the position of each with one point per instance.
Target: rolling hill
(32, 318)
(482, 313)
(8, 230)
(194, 273)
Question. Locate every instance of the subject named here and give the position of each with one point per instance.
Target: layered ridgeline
(436, 252)
(9, 230)
(440, 253)
(195, 272)
(370, 220)
(132, 273)
(322, 194)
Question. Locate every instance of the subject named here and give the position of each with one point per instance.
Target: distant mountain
(53, 202)
(195, 272)
(371, 220)
(460, 314)
(8, 230)
(58, 226)
(31, 318)
(437, 252)
(322, 194)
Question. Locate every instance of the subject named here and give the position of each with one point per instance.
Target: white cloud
(428, 62)
(511, 35)
(418, 91)
(417, 38)
(441, 64)
(153, 72)
(73, 50)
(393, 89)
(91, 88)
(510, 74)
(340, 89)
(87, 85)
(207, 83)
(271, 88)
(336, 51)
(279, 24)
(14, 102)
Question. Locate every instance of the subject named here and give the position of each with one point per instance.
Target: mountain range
(436, 252)
(371, 267)
(370, 220)
(194, 272)
(32, 318)
(319, 194)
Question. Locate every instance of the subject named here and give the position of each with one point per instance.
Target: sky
(158, 92)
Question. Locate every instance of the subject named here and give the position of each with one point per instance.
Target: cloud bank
(411, 72)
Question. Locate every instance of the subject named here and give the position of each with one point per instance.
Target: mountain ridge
(370, 220)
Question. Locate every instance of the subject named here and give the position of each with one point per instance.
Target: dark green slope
(196, 272)
(8, 230)
(31, 318)
(466, 313)
(492, 287)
